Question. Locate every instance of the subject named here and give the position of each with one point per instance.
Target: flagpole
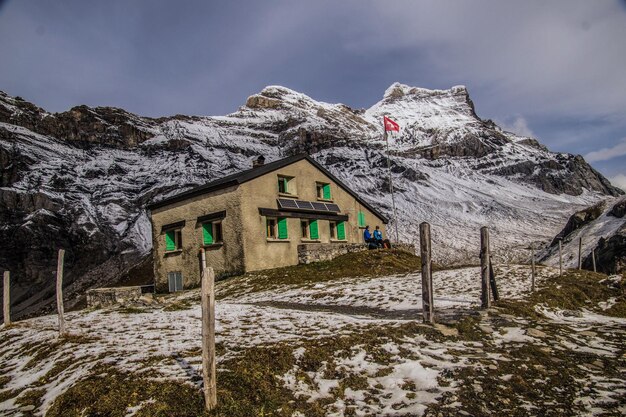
(393, 200)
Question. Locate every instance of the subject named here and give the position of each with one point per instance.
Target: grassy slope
(248, 385)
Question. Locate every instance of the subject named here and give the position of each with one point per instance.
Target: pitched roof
(250, 174)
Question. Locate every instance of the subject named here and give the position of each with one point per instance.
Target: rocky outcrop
(578, 220)
(610, 254)
(619, 209)
(82, 125)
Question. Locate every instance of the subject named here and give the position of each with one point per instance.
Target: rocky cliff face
(601, 229)
(81, 179)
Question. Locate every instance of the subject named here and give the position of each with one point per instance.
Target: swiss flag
(390, 125)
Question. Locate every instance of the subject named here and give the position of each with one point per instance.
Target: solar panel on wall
(287, 203)
(319, 206)
(332, 207)
(304, 205)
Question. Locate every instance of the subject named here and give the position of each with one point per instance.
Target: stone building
(254, 220)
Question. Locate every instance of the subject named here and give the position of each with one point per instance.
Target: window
(175, 281)
(361, 219)
(271, 228)
(285, 186)
(276, 228)
(173, 240)
(323, 191)
(333, 230)
(309, 229)
(304, 226)
(212, 232)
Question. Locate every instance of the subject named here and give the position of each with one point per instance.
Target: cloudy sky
(552, 69)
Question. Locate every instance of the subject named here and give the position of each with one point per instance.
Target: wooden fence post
(60, 291)
(6, 311)
(208, 338)
(427, 277)
(484, 267)
(560, 258)
(203, 259)
(593, 259)
(532, 268)
(580, 253)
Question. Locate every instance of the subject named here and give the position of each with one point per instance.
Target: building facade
(254, 220)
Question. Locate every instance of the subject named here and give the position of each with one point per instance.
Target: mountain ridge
(80, 179)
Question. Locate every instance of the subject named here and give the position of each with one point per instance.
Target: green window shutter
(361, 219)
(207, 233)
(170, 242)
(282, 228)
(313, 232)
(341, 231)
(326, 191)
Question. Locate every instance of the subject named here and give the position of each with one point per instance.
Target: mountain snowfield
(81, 179)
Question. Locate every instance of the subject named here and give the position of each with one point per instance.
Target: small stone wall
(102, 297)
(316, 252)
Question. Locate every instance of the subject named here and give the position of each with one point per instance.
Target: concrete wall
(227, 258)
(264, 253)
(102, 297)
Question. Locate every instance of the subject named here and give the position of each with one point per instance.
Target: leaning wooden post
(532, 269)
(484, 267)
(208, 338)
(60, 292)
(560, 258)
(6, 311)
(580, 253)
(593, 259)
(427, 278)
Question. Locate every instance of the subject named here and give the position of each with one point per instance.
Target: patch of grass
(248, 384)
(108, 392)
(469, 330)
(8, 394)
(370, 263)
(4, 380)
(78, 339)
(131, 310)
(56, 370)
(178, 306)
(43, 350)
(31, 397)
(574, 290)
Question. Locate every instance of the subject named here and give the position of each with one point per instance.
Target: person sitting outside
(367, 237)
(378, 237)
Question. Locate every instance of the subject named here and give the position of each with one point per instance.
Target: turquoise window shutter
(207, 233)
(282, 228)
(361, 219)
(341, 231)
(170, 242)
(313, 230)
(326, 191)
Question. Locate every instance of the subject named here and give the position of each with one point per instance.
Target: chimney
(258, 162)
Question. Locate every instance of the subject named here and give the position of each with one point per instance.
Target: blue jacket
(367, 235)
(378, 235)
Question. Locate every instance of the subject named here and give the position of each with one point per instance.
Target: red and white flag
(390, 125)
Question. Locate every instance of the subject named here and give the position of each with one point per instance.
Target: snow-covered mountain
(81, 179)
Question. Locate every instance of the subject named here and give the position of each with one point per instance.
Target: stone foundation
(102, 297)
(316, 252)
